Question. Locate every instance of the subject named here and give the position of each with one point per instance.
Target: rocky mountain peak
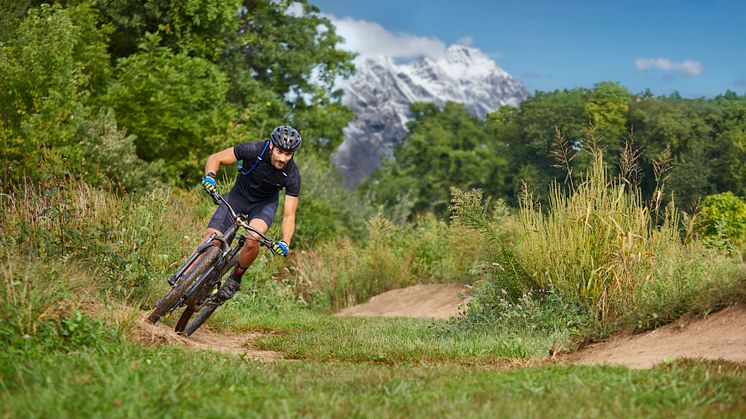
(382, 90)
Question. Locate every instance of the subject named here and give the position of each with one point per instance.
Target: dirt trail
(718, 336)
(433, 301)
(163, 334)
(203, 339)
(721, 335)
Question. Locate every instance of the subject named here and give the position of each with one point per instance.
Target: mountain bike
(195, 285)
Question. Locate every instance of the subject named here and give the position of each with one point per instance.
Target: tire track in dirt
(140, 330)
(203, 339)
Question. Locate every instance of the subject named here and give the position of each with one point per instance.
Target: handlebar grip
(214, 196)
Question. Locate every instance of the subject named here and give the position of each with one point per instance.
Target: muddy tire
(173, 297)
(206, 309)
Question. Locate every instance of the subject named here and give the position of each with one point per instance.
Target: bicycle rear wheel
(203, 315)
(173, 297)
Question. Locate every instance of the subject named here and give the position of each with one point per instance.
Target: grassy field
(102, 374)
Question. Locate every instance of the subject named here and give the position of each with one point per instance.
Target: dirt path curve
(432, 301)
(720, 335)
(236, 344)
(162, 334)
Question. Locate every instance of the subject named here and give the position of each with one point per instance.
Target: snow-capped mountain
(382, 90)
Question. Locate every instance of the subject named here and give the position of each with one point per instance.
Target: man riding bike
(267, 166)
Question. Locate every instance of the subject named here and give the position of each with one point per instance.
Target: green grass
(390, 341)
(121, 379)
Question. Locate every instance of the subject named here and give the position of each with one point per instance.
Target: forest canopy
(121, 92)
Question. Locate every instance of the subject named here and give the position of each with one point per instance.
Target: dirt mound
(162, 334)
(433, 301)
(720, 335)
(203, 339)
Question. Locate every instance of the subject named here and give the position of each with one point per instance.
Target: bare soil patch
(203, 339)
(718, 336)
(432, 301)
(162, 334)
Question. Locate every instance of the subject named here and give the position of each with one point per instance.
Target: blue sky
(697, 48)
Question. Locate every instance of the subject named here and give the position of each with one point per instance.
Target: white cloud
(370, 39)
(686, 67)
(295, 9)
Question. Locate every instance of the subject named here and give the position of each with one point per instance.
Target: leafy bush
(50, 65)
(723, 215)
(326, 211)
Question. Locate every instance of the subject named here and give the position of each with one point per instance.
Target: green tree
(280, 66)
(173, 103)
(528, 135)
(52, 64)
(606, 110)
(444, 148)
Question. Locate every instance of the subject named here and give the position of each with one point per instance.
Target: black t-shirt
(265, 181)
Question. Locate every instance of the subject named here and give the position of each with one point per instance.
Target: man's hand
(281, 247)
(208, 182)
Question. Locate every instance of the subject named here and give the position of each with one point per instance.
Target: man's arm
(224, 157)
(288, 218)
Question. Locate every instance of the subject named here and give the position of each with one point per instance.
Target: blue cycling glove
(281, 247)
(208, 182)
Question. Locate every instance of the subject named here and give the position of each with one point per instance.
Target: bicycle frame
(225, 240)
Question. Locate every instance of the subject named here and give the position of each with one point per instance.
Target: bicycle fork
(175, 277)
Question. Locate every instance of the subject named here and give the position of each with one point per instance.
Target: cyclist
(266, 167)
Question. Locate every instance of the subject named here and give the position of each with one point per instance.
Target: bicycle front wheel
(172, 299)
(206, 310)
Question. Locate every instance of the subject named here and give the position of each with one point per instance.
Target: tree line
(691, 147)
(123, 94)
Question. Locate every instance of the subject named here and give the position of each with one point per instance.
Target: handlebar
(240, 219)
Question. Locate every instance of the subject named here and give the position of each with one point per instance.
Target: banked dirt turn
(717, 336)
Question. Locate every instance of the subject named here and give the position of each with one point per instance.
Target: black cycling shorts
(264, 210)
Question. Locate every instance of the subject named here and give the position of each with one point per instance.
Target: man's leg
(246, 257)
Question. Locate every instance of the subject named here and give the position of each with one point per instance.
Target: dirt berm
(434, 301)
(720, 335)
(717, 336)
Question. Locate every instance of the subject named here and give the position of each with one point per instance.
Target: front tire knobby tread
(174, 295)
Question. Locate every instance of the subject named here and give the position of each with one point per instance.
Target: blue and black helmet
(285, 137)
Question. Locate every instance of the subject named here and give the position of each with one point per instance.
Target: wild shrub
(723, 216)
(126, 242)
(338, 274)
(326, 210)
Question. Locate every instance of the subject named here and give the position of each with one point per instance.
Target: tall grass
(344, 272)
(599, 242)
(66, 242)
